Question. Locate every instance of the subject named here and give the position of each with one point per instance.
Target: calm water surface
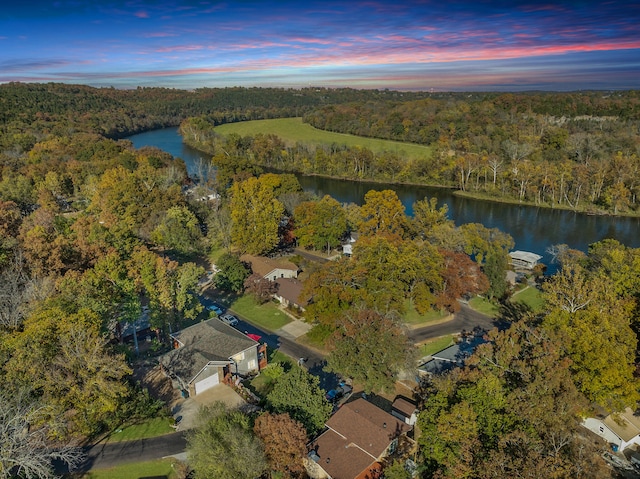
(533, 229)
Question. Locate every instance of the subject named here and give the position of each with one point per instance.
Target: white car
(230, 319)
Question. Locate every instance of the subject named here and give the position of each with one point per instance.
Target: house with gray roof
(209, 353)
(524, 259)
(451, 357)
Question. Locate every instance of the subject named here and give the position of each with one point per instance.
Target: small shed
(405, 410)
(524, 259)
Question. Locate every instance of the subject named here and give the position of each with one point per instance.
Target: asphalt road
(103, 456)
(466, 319)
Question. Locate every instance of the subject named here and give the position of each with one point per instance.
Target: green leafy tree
(495, 269)
(336, 287)
(232, 274)
(481, 241)
(382, 213)
(67, 360)
(231, 168)
(170, 287)
(224, 445)
(428, 219)
(370, 348)
(320, 224)
(179, 231)
(596, 326)
(256, 215)
(298, 394)
(491, 419)
(396, 470)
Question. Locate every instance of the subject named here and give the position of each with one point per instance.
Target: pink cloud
(178, 48)
(141, 14)
(159, 35)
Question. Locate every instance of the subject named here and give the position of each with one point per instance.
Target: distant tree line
(572, 150)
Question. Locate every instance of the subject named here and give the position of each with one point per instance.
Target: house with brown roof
(209, 353)
(621, 429)
(356, 439)
(289, 293)
(269, 268)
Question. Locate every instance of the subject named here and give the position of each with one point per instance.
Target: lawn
(413, 318)
(293, 130)
(161, 468)
(484, 306)
(157, 426)
(436, 345)
(530, 296)
(267, 316)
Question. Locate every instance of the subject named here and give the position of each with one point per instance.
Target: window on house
(393, 446)
(239, 357)
(252, 364)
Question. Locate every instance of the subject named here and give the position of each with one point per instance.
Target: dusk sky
(417, 45)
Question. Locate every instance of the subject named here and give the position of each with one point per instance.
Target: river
(532, 228)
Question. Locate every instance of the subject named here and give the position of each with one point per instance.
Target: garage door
(207, 383)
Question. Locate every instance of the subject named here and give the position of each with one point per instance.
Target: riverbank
(588, 209)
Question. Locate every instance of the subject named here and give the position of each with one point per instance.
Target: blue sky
(416, 45)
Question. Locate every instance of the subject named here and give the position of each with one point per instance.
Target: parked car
(338, 393)
(215, 308)
(230, 319)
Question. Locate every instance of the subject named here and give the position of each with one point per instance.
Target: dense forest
(571, 150)
(32, 109)
(93, 232)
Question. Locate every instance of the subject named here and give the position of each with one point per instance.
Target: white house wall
(602, 430)
(281, 273)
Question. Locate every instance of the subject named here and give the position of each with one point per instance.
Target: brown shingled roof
(263, 266)
(356, 437)
(291, 289)
(340, 458)
(367, 425)
(404, 406)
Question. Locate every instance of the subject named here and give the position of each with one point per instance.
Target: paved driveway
(186, 411)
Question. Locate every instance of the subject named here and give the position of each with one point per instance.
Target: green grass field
(436, 345)
(532, 297)
(484, 306)
(157, 426)
(267, 315)
(153, 469)
(293, 130)
(413, 318)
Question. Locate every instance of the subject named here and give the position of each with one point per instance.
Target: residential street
(103, 456)
(314, 360)
(108, 455)
(465, 319)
